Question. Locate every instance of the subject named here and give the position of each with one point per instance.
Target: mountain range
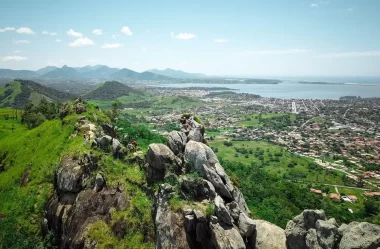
(97, 72)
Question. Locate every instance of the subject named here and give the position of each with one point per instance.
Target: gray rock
(234, 210)
(104, 142)
(204, 161)
(246, 225)
(226, 237)
(199, 215)
(311, 240)
(170, 226)
(69, 175)
(159, 157)
(99, 182)
(328, 234)
(269, 236)
(196, 188)
(222, 212)
(239, 198)
(195, 135)
(116, 145)
(177, 141)
(361, 235)
(297, 228)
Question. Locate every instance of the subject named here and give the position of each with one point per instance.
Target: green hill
(20, 92)
(110, 91)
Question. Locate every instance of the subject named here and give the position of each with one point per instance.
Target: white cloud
(113, 45)
(7, 29)
(97, 32)
(126, 30)
(48, 33)
(17, 51)
(277, 52)
(80, 42)
(350, 9)
(58, 40)
(13, 58)
(182, 36)
(21, 42)
(314, 5)
(73, 33)
(25, 30)
(351, 54)
(220, 40)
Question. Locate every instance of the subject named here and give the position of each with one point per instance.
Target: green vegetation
(109, 91)
(270, 120)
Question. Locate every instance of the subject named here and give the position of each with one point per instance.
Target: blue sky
(250, 38)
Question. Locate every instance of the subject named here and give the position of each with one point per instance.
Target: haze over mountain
(177, 73)
(109, 91)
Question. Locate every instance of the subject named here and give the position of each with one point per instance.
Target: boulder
(234, 210)
(269, 236)
(196, 188)
(226, 237)
(80, 108)
(312, 240)
(99, 182)
(246, 225)
(159, 157)
(239, 198)
(71, 214)
(361, 235)
(222, 212)
(104, 142)
(201, 158)
(69, 175)
(328, 234)
(296, 229)
(177, 141)
(195, 134)
(170, 226)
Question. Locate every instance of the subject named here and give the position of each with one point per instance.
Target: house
(372, 194)
(353, 198)
(316, 191)
(334, 196)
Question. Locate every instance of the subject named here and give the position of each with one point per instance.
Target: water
(291, 89)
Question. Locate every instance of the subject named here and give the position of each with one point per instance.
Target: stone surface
(226, 237)
(222, 212)
(328, 234)
(269, 236)
(246, 225)
(361, 235)
(200, 157)
(195, 135)
(312, 240)
(196, 189)
(177, 141)
(159, 157)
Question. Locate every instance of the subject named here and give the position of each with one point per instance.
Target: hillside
(20, 92)
(130, 74)
(64, 72)
(100, 72)
(46, 70)
(109, 91)
(8, 73)
(177, 73)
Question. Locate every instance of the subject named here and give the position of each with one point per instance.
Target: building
(353, 198)
(334, 196)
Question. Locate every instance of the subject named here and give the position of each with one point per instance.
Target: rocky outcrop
(269, 236)
(177, 141)
(311, 230)
(159, 157)
(80, 199)
(360, 235)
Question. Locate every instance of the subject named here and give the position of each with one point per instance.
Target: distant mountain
(9, 73)
(177, 73)
(64, 72)
(87, 68)
(45, 70)
(126, 73)
(20, 92)
(101, 72)
(109, 91)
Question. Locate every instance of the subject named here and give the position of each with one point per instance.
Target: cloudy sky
(224, 37)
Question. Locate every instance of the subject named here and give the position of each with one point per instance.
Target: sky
(240, 37)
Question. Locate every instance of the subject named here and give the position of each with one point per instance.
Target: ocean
(290, 88)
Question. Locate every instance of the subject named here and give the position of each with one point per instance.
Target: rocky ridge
(196, 204)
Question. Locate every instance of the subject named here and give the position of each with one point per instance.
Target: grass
(16, 86)
(300, 171)
(252, 120)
